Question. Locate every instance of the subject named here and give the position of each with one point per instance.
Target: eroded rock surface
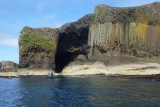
(37, 47)
(111, 35)
(7, 65)
(120, 35)
(72, 41)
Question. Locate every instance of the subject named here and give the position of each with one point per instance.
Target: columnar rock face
(134, 31)
(110, 35)
(131, 37)
(37, 47)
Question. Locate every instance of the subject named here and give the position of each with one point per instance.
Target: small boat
(55, 75)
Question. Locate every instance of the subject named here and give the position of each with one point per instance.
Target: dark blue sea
(87, 91)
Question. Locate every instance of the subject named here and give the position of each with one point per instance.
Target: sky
(15, 14)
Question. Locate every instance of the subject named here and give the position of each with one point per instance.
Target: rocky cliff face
(47, 47)
(7, 65)
(72, 41)
(110, 35)
(37, 47)
(0, 64)
(125, 34)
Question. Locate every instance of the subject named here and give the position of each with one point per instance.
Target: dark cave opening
(63, 59)
(70, 43)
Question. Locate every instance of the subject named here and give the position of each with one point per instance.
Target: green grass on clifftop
(30, 40)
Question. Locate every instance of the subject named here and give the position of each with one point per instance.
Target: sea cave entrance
(63, 59)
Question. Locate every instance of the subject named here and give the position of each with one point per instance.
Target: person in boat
(51, 74)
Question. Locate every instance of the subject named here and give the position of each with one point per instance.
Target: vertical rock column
(125, 36)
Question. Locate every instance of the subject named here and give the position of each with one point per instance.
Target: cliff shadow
(63, 59)
(70, 44)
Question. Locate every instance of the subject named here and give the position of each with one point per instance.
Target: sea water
(90, 91)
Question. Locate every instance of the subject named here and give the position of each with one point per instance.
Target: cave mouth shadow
(63, 59)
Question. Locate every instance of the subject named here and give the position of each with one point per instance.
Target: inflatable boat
(55, 75)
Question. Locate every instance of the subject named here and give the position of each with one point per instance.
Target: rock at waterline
(7, 65)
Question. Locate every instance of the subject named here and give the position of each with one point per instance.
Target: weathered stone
(110, 35)
(133, 33)
(142, 14)
(129, 37)
(7, 65)
(72, 41)
(37, 47)
(0, 64)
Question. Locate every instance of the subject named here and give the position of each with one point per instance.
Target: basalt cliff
(111, 35)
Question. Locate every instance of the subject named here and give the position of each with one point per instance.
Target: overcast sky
(14, 14)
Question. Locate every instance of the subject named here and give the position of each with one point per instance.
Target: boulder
(6, 65)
